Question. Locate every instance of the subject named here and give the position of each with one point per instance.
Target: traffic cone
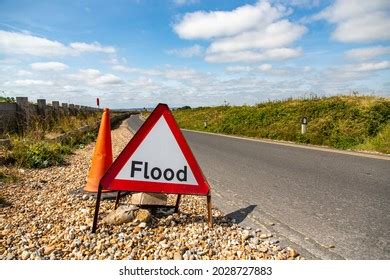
(102, 155)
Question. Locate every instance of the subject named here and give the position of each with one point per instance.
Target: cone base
(93, 189)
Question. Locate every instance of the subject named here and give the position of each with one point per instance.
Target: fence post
(41, 108)
(71, 109)
(64, 108)
(23, 114)
(55, 104)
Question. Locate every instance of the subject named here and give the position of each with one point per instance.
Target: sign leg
(177, 203)
(95, 218)
(118, 196)
(210, 217)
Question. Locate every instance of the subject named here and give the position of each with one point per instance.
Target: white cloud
(29, 82)
(195, 50)
(250, 33)
(265, 67)
(253, 56)
(367, 53)
(275, 35)
(48, 66)
(206, 25)
(372, 66)
(240, 69)
(20, 43)
(24, 73)
(133, 70)
(25, 44)
(94, 47)
(95, 78)
(358, 21)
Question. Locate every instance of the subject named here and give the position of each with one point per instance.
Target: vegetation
(344, 122)
(26, 152)
(35, 149)
(7, 176)
(7, 99)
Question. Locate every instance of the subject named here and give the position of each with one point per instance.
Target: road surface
(329, 205)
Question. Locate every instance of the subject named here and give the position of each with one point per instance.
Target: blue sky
(138, 53)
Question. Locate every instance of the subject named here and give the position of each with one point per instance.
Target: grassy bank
(34, 149)
(344, 122)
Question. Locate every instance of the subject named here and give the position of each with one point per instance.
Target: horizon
(192, 52)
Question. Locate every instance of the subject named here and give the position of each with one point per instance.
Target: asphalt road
(311, 199)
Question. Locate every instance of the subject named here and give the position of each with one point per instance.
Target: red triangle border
(109, 182)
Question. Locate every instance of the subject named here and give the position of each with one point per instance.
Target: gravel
(47, 221)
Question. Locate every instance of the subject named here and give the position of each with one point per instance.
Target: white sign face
(158, 159)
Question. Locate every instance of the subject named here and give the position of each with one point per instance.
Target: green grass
(28, 153)
(343, 122)
(32, 149)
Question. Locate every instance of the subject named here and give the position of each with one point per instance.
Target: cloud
(195, 50)
(358, 21)
(20, 43)
(265, 67)
(206, 25)
(48, 66)
(367, 53)
(25, 44)
(94, 47)
(95, 78)
(372, 66)
(29, 82)
(24, 73)
(240, 69)
(253, 56)
(250, 33)
(275, 35)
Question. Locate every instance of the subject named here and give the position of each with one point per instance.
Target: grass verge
(30, 153)
(343, 122)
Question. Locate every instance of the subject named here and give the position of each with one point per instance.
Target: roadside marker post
(303, 125)
(156, 160)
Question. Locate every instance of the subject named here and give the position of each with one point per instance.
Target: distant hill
(344, 122)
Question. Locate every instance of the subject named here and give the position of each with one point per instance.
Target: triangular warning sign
(157, 159)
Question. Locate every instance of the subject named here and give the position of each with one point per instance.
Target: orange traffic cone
(102, 155)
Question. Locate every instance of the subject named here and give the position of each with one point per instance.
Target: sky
(137, 53)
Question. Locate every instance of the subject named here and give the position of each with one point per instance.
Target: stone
(149, 199)
(263, 236)
(25, 255)
(143, 215)
(291, 252)
(245, 235)
(123, 214)
(47, 250)
(142, 225)
(263, 249)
